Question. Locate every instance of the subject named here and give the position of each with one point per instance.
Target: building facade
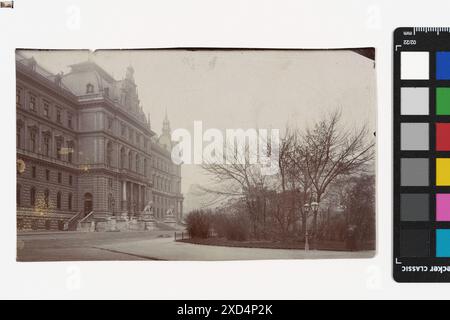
(86, 148)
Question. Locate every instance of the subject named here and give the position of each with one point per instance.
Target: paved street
(154, 245)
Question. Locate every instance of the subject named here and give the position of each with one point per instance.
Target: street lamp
(315, 210)
(314, 207)
(306, 208)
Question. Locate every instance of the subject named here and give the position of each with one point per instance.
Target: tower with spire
(165, 138)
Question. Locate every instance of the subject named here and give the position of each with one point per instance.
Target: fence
(182, 235)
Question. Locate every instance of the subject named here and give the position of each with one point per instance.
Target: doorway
(88, 205)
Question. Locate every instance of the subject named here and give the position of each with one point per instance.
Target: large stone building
(86, 149)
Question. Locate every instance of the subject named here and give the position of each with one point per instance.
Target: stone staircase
(88, 223)
(72, 223)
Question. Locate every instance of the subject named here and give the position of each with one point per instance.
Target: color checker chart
(422, 155)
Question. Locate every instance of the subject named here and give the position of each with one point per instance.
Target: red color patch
(442, 136)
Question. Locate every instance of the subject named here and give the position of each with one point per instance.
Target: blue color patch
(443, 243)
(443, 65)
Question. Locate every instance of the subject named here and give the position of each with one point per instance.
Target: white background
(207, 23)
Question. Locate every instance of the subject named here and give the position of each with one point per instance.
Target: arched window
(109, 154)
(122, 158)
(18, 193)
(89, 88)
(46, 198)
(58, 200)
(32, 196)
(69, 201)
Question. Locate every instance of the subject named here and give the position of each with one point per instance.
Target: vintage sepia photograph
(195, 154)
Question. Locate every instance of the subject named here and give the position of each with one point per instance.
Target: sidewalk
(168, 249)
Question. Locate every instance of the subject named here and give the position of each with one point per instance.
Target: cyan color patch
(443, 65)
(443, 243)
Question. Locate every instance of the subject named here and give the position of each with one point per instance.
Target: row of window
(162, 184)
(163, 165)
(133, 136)
(46, 144)
(124, 164)
(46, 108)
(48, 175)
(42, 200)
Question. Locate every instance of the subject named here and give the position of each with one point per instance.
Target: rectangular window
(46, 146)
(59, 177)
(110, 123)
(58, 149)
(46, 109)
(70, 150)
(69, 120)
(70, 180)
(58, 115)
(32, 103)
(18, 137)
(18, 97)
(123, 130)
(33, 141)
(33, 171)
(47, 175)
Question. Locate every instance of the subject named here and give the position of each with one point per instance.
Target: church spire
(165, 138)
(166, 125)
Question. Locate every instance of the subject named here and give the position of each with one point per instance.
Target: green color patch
(443, 101)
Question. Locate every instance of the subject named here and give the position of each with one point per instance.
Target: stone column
(124, 196)
(181, 209)
(144, 198)
(138, 197)
(131, 199)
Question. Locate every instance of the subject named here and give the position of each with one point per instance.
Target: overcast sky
(239, 89)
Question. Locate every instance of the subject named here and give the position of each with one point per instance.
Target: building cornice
(101, 102)
(39, 80)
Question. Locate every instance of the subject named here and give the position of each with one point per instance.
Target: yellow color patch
(443, 172)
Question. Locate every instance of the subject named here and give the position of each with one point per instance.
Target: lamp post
(314, 208)
(306, 208)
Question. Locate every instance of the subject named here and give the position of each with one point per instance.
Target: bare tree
(330, 150)
(239, 179)
(308, 163)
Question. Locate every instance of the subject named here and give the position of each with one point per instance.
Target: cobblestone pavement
(153, 245)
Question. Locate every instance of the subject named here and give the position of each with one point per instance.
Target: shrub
(231, 226)
(199, 223)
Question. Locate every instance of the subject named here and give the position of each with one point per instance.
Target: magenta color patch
(443, 207)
